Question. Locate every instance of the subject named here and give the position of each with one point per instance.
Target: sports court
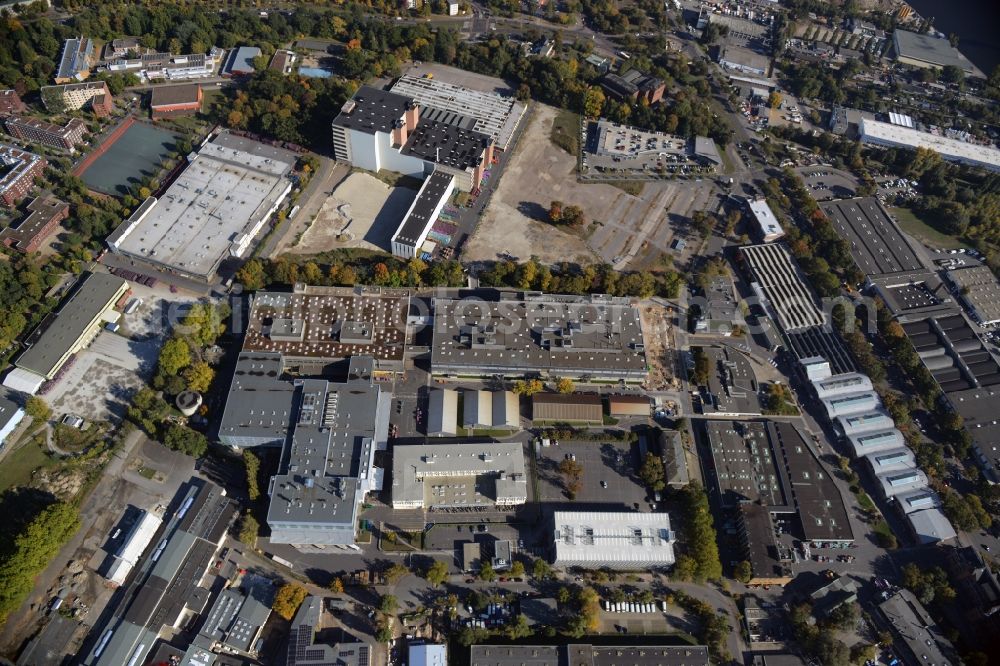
(125, 158)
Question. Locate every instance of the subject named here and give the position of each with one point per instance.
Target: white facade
(133, 548)
(767, 224)
(953, 150)
(15, 416)
(618, 540)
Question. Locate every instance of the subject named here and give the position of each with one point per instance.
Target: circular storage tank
(188, 402)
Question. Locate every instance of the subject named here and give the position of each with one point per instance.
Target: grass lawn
(633, 187)
(566, 131)
(19, 464)
(147, 472)
(922, 231)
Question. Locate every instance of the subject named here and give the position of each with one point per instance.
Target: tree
(252, 465)
(775, 99)
(184, 439)
(251, 275)
(174, 356)
(249, 529)
(517, 569)
(590, 609)
(555, 212)
(336, 586)
(199, 376)
(572, 216)
(383, 632)
(593, 102)
(652, 472)
(38, 409)
(528, 387)
(540, 570)
(487, 573)
(472, 635)
(288, 599)
(565, 385)
(396, 572)
(518, 627)
(572, 472)
(388, 604)
(437, 573)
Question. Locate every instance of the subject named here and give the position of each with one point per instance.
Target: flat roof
(875, 131)
(422, 211)
(42, 210)
(609, 536)
(744, 465)
(743, 57)
(331, 323)
(241, 59)
(953, 353)
(303, 650)
(927, 48)
(223, 196)
(538, 332)
(764, 216)
(980, 289)
(75, 54)
(372, 110)
(418, 470)
(170, 95)
(450, 145)
(876, 243)
(591, 655)
(732, 383)
(490, 113)
(783, 285)
(978, 409)
(60, 331)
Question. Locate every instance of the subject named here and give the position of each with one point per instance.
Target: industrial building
(495, 410)
(875, 441)
(174, 101)
(634, 86)
(214, 210)
(48, 134)
(876, 243)
(76, 60)
(167, 590)
(530, 333)
(408, 240)
(732, 387)
(928, 51)
(885, 134)
(458, 476)
(428, 654)
(315, 327)
(609, 143)
(877, 420)
(134, 544)
(979, 291)
(303, 650)
(240, 61)
(169, 67)
(442, 412)
(902, 481)
(628, 405)
(378, 129)
(18, 173)
(743, 60)
(781, 286)
(820, 343)
(719, 309)
(591, 655)
(236, 619)
(489, 113)
(44, 215)
(767, 227)
(567, 408)
(978, 409)
(75, 96)
(622, 541)
(953, 353)
(67, 331)
(919, 640)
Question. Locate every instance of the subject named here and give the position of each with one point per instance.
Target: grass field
(566, 132)
(922, 231)
(19, 464)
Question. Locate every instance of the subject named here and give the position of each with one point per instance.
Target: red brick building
(46, 212)
(47, 134)
(173, 101)
(10, 102)
(22, 168)
(102, 105)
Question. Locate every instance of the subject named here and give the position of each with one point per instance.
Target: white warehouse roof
(887, 134)
(892, 459)
(851, 403)
(902, 481)
(875, 441)
(770, 228)
(851, 382)
(614, 539)
(930, 526)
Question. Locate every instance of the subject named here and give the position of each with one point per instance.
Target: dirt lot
(362, 212)
(625, 230)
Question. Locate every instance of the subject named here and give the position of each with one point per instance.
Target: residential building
(592, 655)
(19, 171)
(173, 101)
(10, 103)
(303, 650)
(624, 541)
(918, 637)
(535, 334)
(213, 210)
(567, 408)
(44, 215)
(67, 331)
(458, 476)
(76, 60)
(408, 240)
(48, 134)
(74, 96)
(768, 229)
(240, 61)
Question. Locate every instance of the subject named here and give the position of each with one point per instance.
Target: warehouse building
(408, 240)
(490, 409)
(953, 353)
(442, 412)
(875, 441)
(851, 403)
(67, 136)
(903, 481)
(567, 408)
(891, 460)
(75, 96)
(767, 228)
(428, 654)
(535, 334)
(837, 385)
(628, 405)
(780, 285)
(76, 60)
(821, 347)
(45, 214)
(139, 537)
(927, 51)
(591, 655)
(67, 331)
(952, 150)
(236, 619)
(979, 291)
(175, 101)
(19, 171)
(622, 541)
(240, 61)
(458, 476)
(876, 243)
(213, 211)
(739, 59)
(378, 129)
(978, 409)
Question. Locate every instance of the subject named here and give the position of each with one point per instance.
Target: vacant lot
(362, 212)
(922, 231)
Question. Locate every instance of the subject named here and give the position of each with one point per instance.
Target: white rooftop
(930, 526)
(608, 537)
(876, 131)
(770, 228)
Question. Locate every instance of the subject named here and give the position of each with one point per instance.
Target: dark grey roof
(705, 148)
(421, 212)
(372, 110)
(618, 86)
(821, 341)
(744, 466)
(916, 630)
(442, 143)
(591, 655)
(304, 651)
(876, 243)
(240, 60)
(937, 51)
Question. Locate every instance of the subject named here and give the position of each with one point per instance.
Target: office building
(303, 650)
(408, 240)
(168, 67)
(951, 149)
(18, 171)
(44, 215)
(122, 47)
(10, 103)
(919, 637)
(623, 541)
(240, 61)
(173, 101)
(535, 334)
(458, 476)
(767, 227)
(378, 129)
(74, 96)
(48, 134)
(76, 60)
(214, 210)
(67, 331)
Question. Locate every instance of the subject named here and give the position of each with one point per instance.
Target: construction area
(658, 334)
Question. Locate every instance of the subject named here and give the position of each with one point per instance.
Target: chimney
(412, 115)
(399, 133)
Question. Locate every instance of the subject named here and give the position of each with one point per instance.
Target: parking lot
(609, 464)
(825, 184)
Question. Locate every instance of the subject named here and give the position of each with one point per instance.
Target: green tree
(396, 572)
(593, 102)
(652, 472)
(288, 599)
(743, 572)
(540, 570)
(252, 465)
(487, 573)
(199, 376)
(184, 439)
(518, 627)
(38, 409)
(174, 356)
(388, 604)
(249, 529)
(437, 573)
(517, 569)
